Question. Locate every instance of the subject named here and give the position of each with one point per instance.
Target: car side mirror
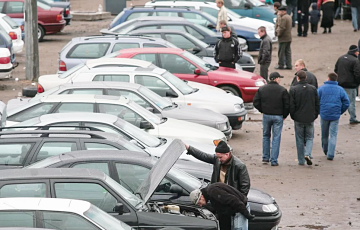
(145, 125)
(211, 26)
(119, 208)
(197, 71)
(247, 6)
(176, 189)
(196, 50)
(171, 93)
(150, 109)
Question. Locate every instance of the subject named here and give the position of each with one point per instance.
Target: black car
(64, 5)
(175, 186)
(192, 44)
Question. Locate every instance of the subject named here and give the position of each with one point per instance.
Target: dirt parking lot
(323, 196)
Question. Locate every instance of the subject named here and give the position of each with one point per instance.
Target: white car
(212, 9)
(121, 107)
(55, 213)
(164, 84)
(6, 67)
(14, 31)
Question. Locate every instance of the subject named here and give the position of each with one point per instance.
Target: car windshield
(125, 27)
(123, 192)
(146, 113)
(198, 61)
(206, 30)
(170, 45)
(43, 6)
(186, 178)
(137, 133)
(257, 3)
(209, 16)
(233, 14)
(155, 98)
(199, 42)
(11, 22)
(105, 220)
(179, 84)
(71, 71)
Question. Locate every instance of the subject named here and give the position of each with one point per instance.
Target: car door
(25, 188)
(18, 219)
(155, 84)
(16, 153)
(14, 9)
(65, 221)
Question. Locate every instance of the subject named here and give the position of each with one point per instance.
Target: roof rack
(117, 36)
(46, 127)
(46, 133)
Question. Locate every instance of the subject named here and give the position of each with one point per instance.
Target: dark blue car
(195, 16)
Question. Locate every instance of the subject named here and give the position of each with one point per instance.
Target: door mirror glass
(247, 6)
(119, 208)
(176, 189)
(171, 93)
(197, 71)
(211, 26)
(196, 50)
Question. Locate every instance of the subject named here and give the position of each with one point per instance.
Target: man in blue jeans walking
(304, 109)
(333, 102)
(273, 101)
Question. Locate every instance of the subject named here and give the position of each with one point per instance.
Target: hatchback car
(49, 213)
(14, 31)
(64, 5)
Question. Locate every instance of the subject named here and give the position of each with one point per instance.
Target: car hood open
(160, 169)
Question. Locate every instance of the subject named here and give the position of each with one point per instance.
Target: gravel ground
(323, 196)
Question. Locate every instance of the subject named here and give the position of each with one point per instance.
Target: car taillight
(4, 60)
(40, 89)
(67, 12)
(13, 35)
(62, 66)
(59, 17)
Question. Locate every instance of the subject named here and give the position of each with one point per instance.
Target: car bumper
(265, 222)
(5, 71)
(236, 119)
(54, 28)
(254, 44)
(248, 93)
(18, 46)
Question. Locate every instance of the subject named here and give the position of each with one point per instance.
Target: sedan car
(14, 31)
(49, 213)
(64, 5)
(187, 66)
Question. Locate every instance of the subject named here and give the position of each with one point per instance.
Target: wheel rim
(229, 91)
(39, 33)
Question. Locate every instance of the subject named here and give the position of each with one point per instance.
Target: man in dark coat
(310, 77)
(347, 68)
(264, 52)
(304, 109)
(227, 169)
(227, 50)
(303, 17)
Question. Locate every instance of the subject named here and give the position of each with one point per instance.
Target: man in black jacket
(227, 50)
(273, 101)
(304, 109)
(264, 52)
(310, 77)
(227, 169)
(347, 68)
(303, 17)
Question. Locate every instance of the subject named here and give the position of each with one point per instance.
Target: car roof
(116, 37)
(158, 31)
(153, 50)
(126, 70)
(160, 8)
(154, 3)
(84, 98)
(124, 61)
(101, 84)
(158, 18)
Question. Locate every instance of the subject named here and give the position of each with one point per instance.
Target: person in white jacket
(222, 14)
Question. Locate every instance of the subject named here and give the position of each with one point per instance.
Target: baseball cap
(275, 75)
(225, 28)
(195, 196)
(282, 8)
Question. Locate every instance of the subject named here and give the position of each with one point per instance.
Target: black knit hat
(353, 48)
(222, 147)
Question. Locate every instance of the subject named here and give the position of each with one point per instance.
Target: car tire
(41, 33)
(230, 89)
(29, 91)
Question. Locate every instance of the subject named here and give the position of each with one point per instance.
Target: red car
(50, 19)
(190, 67)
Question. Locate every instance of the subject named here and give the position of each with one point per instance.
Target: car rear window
(6, 37)
(43, 6)
(10, 22)
(88, 50)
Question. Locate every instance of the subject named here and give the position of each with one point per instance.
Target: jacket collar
(352, 54)
(272, 82)
(227, 39)
(264, 36)
(304, 69)
(331, 82)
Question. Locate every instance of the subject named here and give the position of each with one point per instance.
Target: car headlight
(259, 83)
(216, 142)
(274, 19)
(257, 36)
(222, 126)
(238, 107)
(269, 208)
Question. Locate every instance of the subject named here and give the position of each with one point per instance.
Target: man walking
(283, 31)
(355, 14)
(303, 17)
(333, 102)
(310, 77)
(273, 101)
(304, 109)
(347, 68)
(264, 52)
(292, 9)
(227, 169)
(227, 50)
(222, 14)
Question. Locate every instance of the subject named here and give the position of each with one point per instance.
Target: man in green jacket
(283, 32)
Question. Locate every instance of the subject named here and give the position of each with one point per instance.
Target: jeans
(328, 145)
(354, 16)
(292, 9)
(284, 53)
(303, 24)
(239, 222)
(304, 135)
(352, 109)
(274, 122)
(264, 71)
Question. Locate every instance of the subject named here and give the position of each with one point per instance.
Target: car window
(146, 57)
(75, 107)
(14, 154)
(166, 14)
(120, 46)
(10, 22)
(137, 15)
(132, 96)
(112, 77)
(17, 219)
(14, 8)
(196, 18)
(99, 146)
(1, 6)
(35, 111)
(91, 192)
(153, 83)
(49, 149)
(131, 176)
(211, 11)
(194, 33)
(64, 221)
(173, 27)
(85, 91)
(23, 190)
(180, 41)
(176, 64)
(122, 112)
(150, 45)
(103, 167)
(147, 27)
(88, 50)
(238, 4)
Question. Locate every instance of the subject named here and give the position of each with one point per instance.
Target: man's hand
(186, 146)
(219, 62)
(299, 11)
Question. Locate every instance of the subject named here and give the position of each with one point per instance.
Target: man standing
(347, 68)
(310, 78)
(264, 52)
(333, 102)
(222, 14)
(227, 50)
(283, 31)
(304, 109)
(355, 14)
(227, 169)
(273, 101)
(292, 9)
(303, 17)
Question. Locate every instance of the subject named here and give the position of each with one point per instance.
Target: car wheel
(230, 89)
(41, 33)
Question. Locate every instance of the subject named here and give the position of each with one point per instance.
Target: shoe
(290, 68)
(325, 153)
(329, 31)
(330, 159)
(279, 67)
(308, 160)
(299, 35)
(274, 164)
(357, 99)
(304, 35)
(324, 32)
(265, 161)
(354, 122)
(355, 30)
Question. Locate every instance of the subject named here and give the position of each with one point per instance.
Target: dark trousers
(224, 222)
(264, 70)
(303, 21)
(292, 9)
(284, 53)
(314, 28)
(227, 64)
